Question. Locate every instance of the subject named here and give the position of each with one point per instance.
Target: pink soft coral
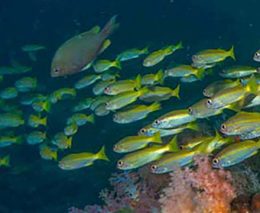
(202, 190)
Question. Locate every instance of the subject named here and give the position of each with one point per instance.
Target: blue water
(38, 186)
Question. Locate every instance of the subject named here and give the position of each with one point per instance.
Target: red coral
(202, 190)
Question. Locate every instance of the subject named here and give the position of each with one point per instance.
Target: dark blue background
(35, 185)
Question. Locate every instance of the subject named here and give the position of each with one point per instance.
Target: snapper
(81, 50)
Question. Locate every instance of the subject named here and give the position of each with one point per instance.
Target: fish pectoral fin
(87, 66)
(105, 45)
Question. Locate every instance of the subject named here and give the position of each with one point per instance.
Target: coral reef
(199, 190)
(129, 193)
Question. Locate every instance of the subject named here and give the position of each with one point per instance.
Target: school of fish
(130, 100)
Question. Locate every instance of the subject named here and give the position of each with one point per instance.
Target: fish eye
(194, 57)
(153, 167)
(181, 147)
(223, 127)
(157, 121)
(56, 69)
(190, 110)
(142, 130)
(120, 163)
(257, 54)
(209, 101)
(215, 161)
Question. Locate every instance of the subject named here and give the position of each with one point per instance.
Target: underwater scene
(138, 106)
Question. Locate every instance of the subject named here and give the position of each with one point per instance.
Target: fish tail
(138, 82)
(179, 45)
(173, 145)
(231, 53)
(217, 135)
(91, 118)
(154, 106)
(109, 27)
(44, 121)
(193, 125)
(157, 138)
(5, 161)
(19, 139)
(160, 76)
(143, 91)
(252, 85)
(200, 73)
(69, 142)
(208, 71)
(145, 50)
(102, 155)
(176, 92)
(117, 64)
(55, 155)
(168, 49)
(201, 148)
(47, 106)
(258, 144)
(236, 107)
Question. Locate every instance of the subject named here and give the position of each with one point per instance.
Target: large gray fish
(79, 51)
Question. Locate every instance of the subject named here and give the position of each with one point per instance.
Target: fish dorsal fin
(95, 29)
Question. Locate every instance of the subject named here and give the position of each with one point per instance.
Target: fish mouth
(54, 75)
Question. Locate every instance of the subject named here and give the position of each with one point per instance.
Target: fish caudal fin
(231, 53)
(44, 121)
(145, 50)
(176, 92)
(157, 138)
(200, 73)
(154, 106)
(193, 125)
(5, 162)
(102, 155)
(160, 76)
(69, 142)
(19, 140)
(143, 91)
(217, 135)
(138, 82)
(173, 145)
(258, 144)
(47, 106)
(117, 64)
(252, 86)
(55, 155)
(179, 45)
(109, 27)
(91, 118)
